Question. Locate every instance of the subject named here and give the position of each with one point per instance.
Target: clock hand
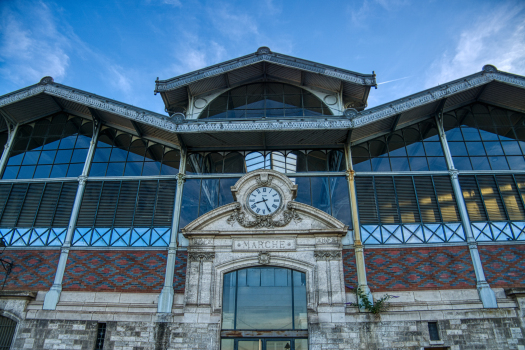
(266, 204)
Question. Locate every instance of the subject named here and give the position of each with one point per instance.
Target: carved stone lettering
(263, 244)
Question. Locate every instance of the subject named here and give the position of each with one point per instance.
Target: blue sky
(118, 48)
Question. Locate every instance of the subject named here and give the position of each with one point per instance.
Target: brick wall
(32, 270)
(349, 268)
(390, 269)
(503, 265)
(179, 279)
(117, 271)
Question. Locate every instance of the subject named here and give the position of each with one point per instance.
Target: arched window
(7, 332)
(265, 100)
(264, 301)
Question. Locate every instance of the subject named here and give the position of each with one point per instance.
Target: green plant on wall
(375, 307)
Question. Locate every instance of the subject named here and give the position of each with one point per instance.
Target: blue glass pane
(83, 141)
(118, 155)
(225, 193)
(362, 164)
(98, 169)
(437, 164)
(400, 164)
(340, 199)
(151, 168)
(458, 148)
(418, 164)
(47, 157)
(26, 172)
(416, 149)
(102, 154)
(10, 172)
(470, 134)
(16, 160)
(454, 135)
(320, 193)
(209, 196)
(480, 163)
(433, 149)
(42, 171)
(493, 148)
(115, 169)
(79, 156)
(380, 164)
(475, 149)
(64, 156)
(59, 170)
(75, 170)
(170, 168)
(511, 147)
(498, 163)
(190, 201)
(132, 168)
(68, 142)
(303, 190)
(31, 158)
(516, 162)
(462, 163)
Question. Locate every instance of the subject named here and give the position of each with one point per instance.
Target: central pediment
(264, 204)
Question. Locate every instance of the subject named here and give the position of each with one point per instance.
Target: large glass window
(285, 161)
(122, 154)
(271, 100)
(414, 148)
(264, 298)
(483, 137)
(35, 214)
(56, 146)
(126, 213)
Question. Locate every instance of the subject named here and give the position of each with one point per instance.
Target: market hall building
(246, 217)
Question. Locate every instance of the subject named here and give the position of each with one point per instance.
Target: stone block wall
(503, 265)
(117, 271)
(33, 270)
(417, 268)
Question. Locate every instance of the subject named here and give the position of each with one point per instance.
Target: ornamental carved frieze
(201, 256)
(264, 258)
(327, 255)
(264, 221)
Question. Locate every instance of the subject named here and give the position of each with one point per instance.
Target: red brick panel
(503, 265)
(349, 268)
(390, 269)
(33, 270)
(115, 271)
(179, 278)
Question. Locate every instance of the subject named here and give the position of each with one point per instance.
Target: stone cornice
(265, 55)
(486, 76)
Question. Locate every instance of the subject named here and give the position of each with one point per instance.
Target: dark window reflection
(122, 154)
(283, 161)
(483, 137)
(203, 195)
(264, 298)
(56, 146)
(415, 148)
(270, 100)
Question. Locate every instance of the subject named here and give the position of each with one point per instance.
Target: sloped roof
(265, 65)
(47, 97)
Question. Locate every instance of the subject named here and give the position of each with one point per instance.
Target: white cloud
(233, 24)
(172, 2)
(31, 46)
(370, 7)
(497, 39)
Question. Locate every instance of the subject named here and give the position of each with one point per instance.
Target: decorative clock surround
(242, 217)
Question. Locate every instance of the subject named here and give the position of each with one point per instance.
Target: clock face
(264, 201)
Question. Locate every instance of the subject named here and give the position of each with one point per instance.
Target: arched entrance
(264, 308)
(7, 331)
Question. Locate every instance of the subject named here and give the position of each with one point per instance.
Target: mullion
(115, 215)
(58, 201)
(40, 203)
(417, 199)
(154, 210)
(7, 199)
(22, 205)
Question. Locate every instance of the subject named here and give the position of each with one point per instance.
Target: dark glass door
(264, 344)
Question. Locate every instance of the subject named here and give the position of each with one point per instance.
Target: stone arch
(253, 261)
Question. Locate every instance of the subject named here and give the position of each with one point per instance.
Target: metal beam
(137, 128)
(395, 122)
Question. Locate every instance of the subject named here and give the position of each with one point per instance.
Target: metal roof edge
(264, 54)
(487, 75)
(91, 100)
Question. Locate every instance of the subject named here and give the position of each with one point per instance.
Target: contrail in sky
(385, 82)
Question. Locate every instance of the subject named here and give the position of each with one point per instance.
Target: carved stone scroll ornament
(201, 256)
(264, 258)
(263, 221)
(264, 180)
(327, 255)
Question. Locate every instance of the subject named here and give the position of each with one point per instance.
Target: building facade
(267, 209)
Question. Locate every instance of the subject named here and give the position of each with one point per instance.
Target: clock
(264, 201)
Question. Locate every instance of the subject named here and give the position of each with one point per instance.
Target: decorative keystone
(46, 80)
